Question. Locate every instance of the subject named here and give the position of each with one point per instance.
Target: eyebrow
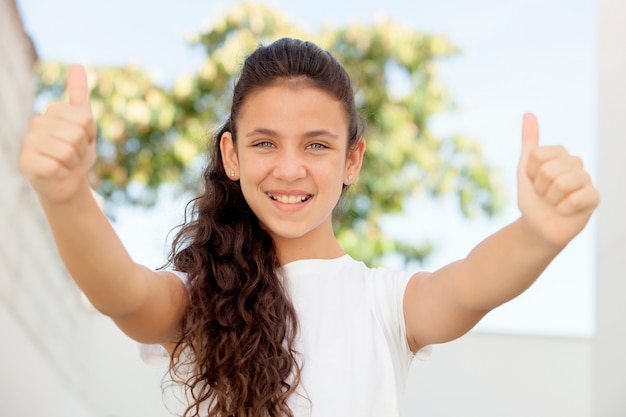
(311, 134)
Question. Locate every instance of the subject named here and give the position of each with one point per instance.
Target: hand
(59, 148)
(555, 194)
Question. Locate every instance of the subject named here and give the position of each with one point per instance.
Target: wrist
(83, 195)
(536, 239)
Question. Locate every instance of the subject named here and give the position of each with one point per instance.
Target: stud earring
(349, 177)
(232, 173)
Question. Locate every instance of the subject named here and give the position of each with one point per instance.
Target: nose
(290, 166)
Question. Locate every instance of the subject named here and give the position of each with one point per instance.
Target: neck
(311, 246)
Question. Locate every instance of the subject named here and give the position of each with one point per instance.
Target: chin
(287, 232)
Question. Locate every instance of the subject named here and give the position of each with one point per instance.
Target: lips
(289, 199)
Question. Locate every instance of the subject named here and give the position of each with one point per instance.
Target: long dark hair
(238, 355)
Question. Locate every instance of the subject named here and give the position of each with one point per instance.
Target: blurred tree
(150, 135)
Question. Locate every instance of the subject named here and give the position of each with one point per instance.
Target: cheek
(247, 185)
(335, 170)
(250, 169)
(330, 177)
(250, 180)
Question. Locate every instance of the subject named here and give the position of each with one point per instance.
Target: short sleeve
(391, 287)
(154, 355)
(388, 292)
(181, 275)
(424, 353)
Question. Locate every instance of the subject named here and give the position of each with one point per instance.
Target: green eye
(317, 146)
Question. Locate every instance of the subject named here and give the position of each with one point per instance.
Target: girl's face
(292, 159)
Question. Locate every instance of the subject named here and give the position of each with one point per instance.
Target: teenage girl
(261, 310)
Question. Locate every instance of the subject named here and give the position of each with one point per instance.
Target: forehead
(292, 103)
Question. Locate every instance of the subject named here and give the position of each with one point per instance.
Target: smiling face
(292, 159)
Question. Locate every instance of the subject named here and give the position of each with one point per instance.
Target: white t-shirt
(352, 338)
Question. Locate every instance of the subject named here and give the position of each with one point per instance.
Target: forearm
(501, 267)
(94, 255)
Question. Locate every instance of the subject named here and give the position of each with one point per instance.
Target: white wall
(496, 375)
(609, 378)
(30, 384)
(42, 320)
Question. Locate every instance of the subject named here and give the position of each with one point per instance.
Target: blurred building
(51, 341)
(44, 324)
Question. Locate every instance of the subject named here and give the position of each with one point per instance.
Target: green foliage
(151, 135)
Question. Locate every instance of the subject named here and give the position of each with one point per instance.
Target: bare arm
(145, 304)
(57, 153)
(556, 199)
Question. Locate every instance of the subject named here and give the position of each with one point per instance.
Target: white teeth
(289, 199)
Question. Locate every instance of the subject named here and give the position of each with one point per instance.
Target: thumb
(530, 137)
(77, 87)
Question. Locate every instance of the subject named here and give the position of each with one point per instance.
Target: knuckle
(547, 173)
(75, 138)
(36, 123)
(83, 118)
(578, 161)
(68, 155)
(575, 202)
(535, 155)
(50, 169)
(561, 183)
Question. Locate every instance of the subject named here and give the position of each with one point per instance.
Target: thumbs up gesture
(555, 193)
(59, 147)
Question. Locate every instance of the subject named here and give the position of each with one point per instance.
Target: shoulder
(394, 278)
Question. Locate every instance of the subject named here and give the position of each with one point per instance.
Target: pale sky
(518, 56)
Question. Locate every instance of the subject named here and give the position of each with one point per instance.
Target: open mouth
(290, 199)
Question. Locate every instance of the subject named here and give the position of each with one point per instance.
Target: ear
(229, 156)
(354, 162)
